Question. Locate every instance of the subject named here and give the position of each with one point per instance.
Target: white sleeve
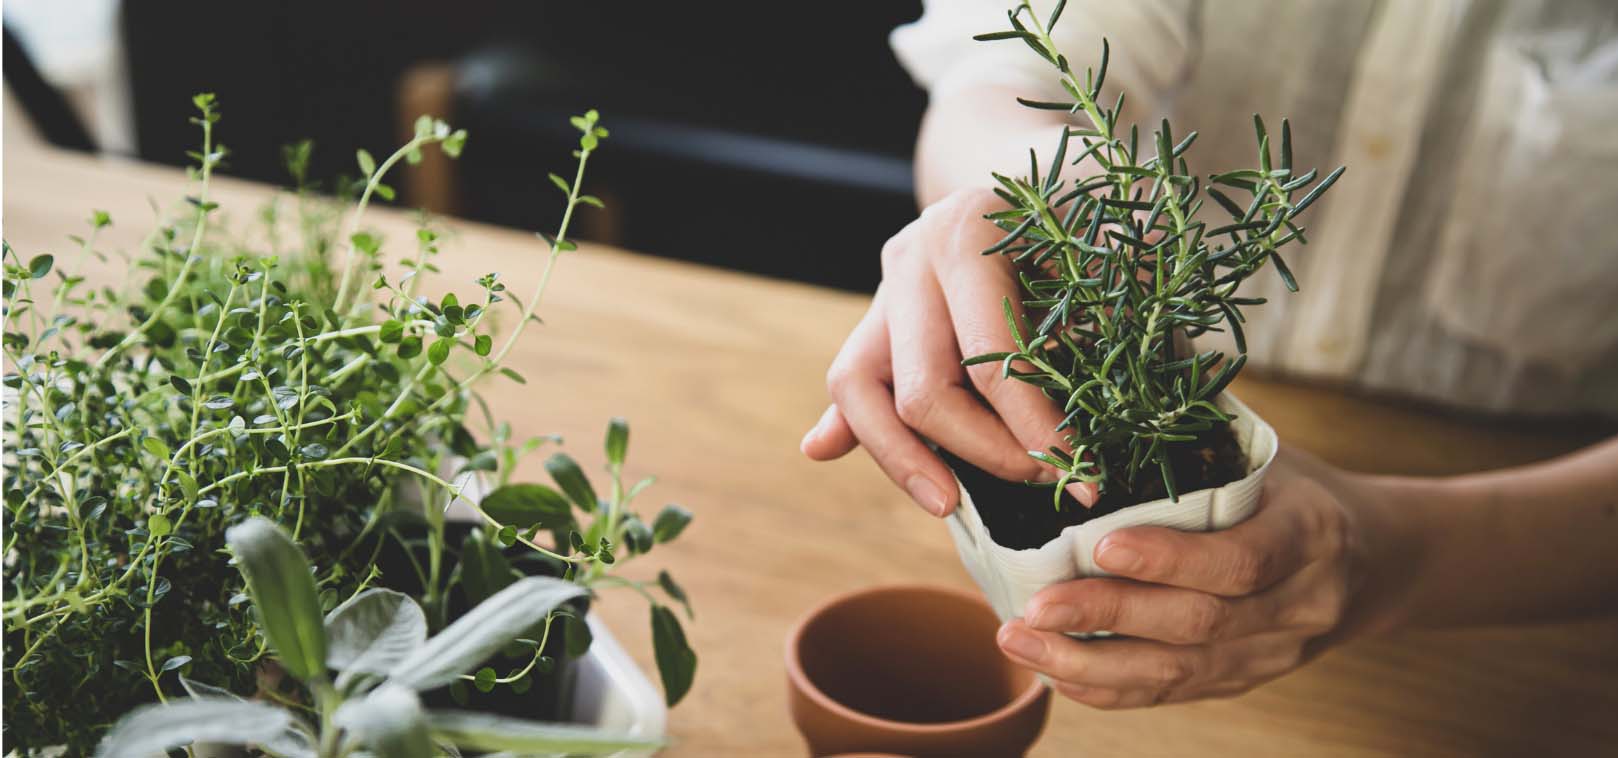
(1153, 43)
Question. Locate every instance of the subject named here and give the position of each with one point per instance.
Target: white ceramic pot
(1010, 577)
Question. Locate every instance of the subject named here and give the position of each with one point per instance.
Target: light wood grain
(721, 373)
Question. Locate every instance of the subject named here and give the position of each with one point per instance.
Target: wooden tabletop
(721, 373)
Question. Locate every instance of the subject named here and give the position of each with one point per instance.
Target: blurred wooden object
(721, 373)
(434, 184)
(428, 89)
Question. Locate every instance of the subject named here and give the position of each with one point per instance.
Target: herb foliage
(1118, 272)
(234, 379)
(377, 645)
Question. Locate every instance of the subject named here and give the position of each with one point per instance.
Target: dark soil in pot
(550, 696)
(1020, 516)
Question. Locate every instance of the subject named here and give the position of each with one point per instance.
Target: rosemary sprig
(1118, 272)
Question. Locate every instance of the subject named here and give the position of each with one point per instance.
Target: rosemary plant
(1119, 271)
(234, 380)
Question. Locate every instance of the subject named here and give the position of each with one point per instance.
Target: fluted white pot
(1010, 577)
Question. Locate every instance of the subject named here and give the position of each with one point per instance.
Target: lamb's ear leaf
(153, 729)
(488, 732)
(676, 661)
(372, 631)
(389, 722)
(465, 644)
(282, 587)
(200, 690)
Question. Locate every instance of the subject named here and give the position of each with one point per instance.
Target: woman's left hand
(1214, 614)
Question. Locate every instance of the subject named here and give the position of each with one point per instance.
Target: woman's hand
(899, 378)
(1215, 614)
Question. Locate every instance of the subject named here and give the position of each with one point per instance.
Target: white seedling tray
(614, 694)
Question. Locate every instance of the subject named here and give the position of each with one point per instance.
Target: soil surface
(1020, 516)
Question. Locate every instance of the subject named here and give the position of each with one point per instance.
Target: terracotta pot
(1010, 577)
(910, 670)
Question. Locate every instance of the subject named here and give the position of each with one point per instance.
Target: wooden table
(721, 373)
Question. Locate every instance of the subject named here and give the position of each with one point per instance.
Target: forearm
(970, 132)
(1525, 544)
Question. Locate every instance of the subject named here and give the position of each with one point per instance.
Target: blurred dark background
(728, 119)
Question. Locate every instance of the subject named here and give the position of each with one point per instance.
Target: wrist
(1393, 537)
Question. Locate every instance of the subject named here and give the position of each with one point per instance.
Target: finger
(1105, 698)
(858, 384)
(1242, 560)
(1124, 664)
(928, 379)
(830, 438)
(978, 288)
(1150, 611)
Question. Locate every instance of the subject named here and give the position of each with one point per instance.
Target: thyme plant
(233, 379)
(1119, 270)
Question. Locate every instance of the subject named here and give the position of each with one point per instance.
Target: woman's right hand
(899, 378)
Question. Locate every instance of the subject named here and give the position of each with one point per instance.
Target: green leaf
(476, 635)
(392, 331)
(367, 163)
(676, 661)
(174, 663)
(389, 721)
(675, 591)
(576, 634)
(153, 729)
(156, 447)
(617, 441)
(483, 344)
(528, 505)
(484, 569)
(40, 266)
(282, 587)
(506, 536)
(439, 352)
(572, 480)
(484, 679)
(455, 143)
(371, 632)
(409, 347)
(561, 184)
(490, 733)
(670, 522)
(180, 384)
(159, 525)
(512, 375)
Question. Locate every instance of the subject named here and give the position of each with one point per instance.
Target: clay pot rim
(800, 680)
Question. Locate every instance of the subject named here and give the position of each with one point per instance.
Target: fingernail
(803, 444)
(1020, 643)
(926, 494)
(1057, 617)
(1081, 492)
(1119, 559)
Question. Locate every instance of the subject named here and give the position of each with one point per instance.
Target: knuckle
(1208, 618)
(836, 378)
(1320, 613)
(893, 250)
(1173, 672)
(915, 403)
(1068, 667)
(1247, 569)
(968, 199)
